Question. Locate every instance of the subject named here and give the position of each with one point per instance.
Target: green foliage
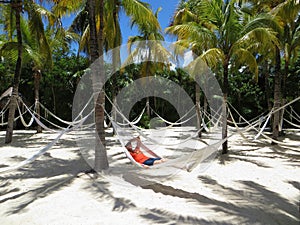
(58, 85)
(293, 83)
(6, 75)
(145, 121)
(246, 95)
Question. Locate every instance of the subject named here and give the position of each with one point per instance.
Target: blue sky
(164, 16)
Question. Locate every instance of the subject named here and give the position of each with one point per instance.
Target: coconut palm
(38, 43)
(15, 7)
(107, 33)
(150, 42)
(95, 38)
(287, 14)
(224, 39)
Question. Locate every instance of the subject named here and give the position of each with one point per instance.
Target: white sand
(256, 183)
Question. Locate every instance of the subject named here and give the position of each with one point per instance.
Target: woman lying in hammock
(139, 156)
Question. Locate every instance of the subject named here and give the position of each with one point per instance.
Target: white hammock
(177, 122)
(186, 162)
(260, 132)
(52, 143)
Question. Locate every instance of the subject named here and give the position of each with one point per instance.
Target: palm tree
(38, 44)
(16, 6)
(108, 36)
(38, 47)
(184, 16)
(287, 13)
(96, 38)
(101, 20)
(226, 40)
(148, 41)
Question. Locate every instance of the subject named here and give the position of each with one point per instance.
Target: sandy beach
(256, 183)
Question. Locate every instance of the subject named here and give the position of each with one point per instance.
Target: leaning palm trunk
(224, 106)
(267, 86)
(17, 6)
(199, 117)
(277, 96)
(101, 161)
(37, 78)
(283, 101)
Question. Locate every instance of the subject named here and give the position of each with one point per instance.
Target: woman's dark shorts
(150, 161)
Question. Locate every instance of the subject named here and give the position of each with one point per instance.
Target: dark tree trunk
(54, 99)
(267, 85)
(17, 6)
(101, 161)
(283, 92)
(224, 106)
(277, 95)
(37, 78)
(199, 117)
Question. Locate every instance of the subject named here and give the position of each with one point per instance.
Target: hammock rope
(52, 143)
(266, 136)
(291, 123)
(187, 162)
(177, 122)
(292, 117)
(136, 120)
(138, 129)
(22, 118)
(56, 117)
(294, 112)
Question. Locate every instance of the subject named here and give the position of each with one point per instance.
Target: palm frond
(183, 16)
(9, 21)
(140, 13)
(243, 57)
(84, 41)
(213, 57)
(263, 38)
(180, 47)
(287, 10)
(9, 50)
(66, 7)
(263, 20)
(212, 11)
(133, 40)
(296, 37)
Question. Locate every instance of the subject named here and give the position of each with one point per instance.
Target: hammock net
(179, 145)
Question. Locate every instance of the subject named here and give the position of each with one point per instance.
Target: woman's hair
(128, 144)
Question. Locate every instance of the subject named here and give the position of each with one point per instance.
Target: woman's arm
(138, 142)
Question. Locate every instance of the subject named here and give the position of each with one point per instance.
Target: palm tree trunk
(54, 99)
(101, 161)
(205, 106)
(113, 109)
(37, 78)
(277, 96)
(199, 118)
(283, 101)
(17, 6)
(224, 106)
(267, 86)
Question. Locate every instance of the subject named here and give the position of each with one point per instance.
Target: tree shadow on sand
(101, 191)
(251, 203)
(42, 177)
(48, 174)
(254, 204)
